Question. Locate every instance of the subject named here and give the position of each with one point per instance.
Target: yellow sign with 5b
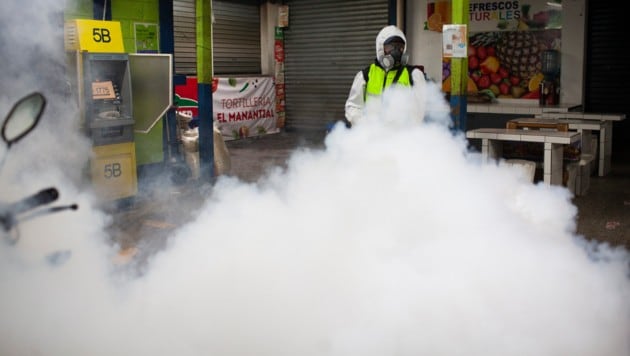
(94, 36)
(113, 170)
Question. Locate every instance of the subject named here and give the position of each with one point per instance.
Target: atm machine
(102, 83)
(109, 123)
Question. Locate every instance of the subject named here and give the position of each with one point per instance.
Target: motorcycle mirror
(23, 117)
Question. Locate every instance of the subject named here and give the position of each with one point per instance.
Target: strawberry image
(495, 78)
(504, 88)
(515, 80)
(473, 62)
(484, 82)
(482, 53)
(532, 95)
(503, 72)
(475, 75)
(472, 51)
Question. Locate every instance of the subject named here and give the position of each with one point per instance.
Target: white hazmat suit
(355, 109)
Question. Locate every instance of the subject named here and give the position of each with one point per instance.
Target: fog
(393, 240)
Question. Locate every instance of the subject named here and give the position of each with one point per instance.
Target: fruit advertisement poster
(506, 41)
(242, 107)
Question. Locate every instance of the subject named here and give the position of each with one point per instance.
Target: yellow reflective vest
(376, 79)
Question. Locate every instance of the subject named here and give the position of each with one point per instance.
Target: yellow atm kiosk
(103, 87)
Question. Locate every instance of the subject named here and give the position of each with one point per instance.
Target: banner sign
(186, 97)
(502, 15)
(514, 15)
(242, 107)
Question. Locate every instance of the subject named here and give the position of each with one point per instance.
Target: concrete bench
(492, 140)
(587, 125)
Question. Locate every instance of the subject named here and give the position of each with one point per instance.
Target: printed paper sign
(146, 36)
(455, 41)
(103, 90)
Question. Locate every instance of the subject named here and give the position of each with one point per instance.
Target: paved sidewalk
(604, 212)
(144, 228)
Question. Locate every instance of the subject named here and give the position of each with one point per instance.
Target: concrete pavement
(145, 226)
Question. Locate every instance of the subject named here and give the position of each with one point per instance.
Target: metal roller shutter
(185, 56)
(606, 67)
(326, 44)
(606, 89)
(236, 34)
(236, 37)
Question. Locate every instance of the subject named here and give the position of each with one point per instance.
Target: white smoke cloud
(33, 59)
(394, 239)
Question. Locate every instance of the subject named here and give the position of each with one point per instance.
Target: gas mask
(394, 54)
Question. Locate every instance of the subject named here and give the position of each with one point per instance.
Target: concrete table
(584, 122)
(554, 141)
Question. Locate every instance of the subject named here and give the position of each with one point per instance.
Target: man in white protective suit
(389, 69)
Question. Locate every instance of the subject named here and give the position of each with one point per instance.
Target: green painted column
(204, 87)
(204, 41)
(459, 71)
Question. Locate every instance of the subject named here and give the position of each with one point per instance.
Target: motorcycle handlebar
(42, 197)
(9, 213)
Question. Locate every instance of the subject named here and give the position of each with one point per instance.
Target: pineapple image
(509, 62)
(519, 52)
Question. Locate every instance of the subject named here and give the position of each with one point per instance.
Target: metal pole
(392, 12)
(102, 10)
(204, 87)
(401, 11)
(459, 71)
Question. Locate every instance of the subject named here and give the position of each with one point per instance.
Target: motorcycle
(20, 121)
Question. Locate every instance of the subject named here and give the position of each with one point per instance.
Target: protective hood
(386, 33)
